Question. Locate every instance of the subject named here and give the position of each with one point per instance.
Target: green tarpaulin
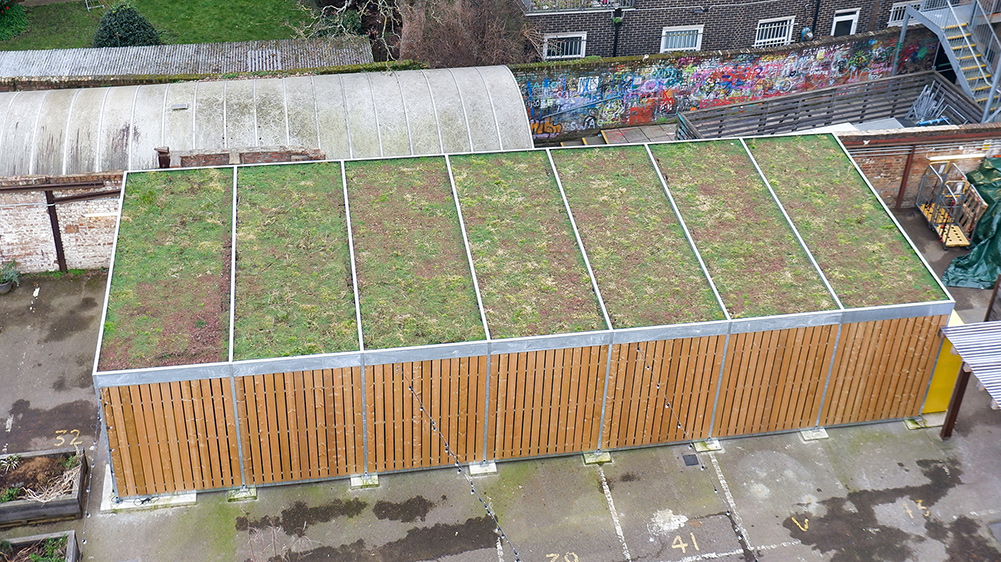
(982, 265)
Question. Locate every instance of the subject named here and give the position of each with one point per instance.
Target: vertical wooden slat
(144, 470)
(121, 454)
(179, 447)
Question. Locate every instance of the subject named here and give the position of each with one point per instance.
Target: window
(774, 32)
(681, 39)
(564, 46)
(897, 12)
(845, 22)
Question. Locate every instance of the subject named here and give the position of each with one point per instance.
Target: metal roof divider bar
(66, 128)
(225, 120)
(479, 300)
(131, 131)
(6, 118)
(354, 283)
(375, 111)
(795, 231)
(406, 114)
(465, 114)
(893, 218)
(493, 108)
(34, 133)
(100, 333)
(316, 111)
(288, 132)
(434, 108)
(597, 293)
(257, 126)
(232, 332)
(347, 118)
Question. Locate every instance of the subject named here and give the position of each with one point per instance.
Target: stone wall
(570, 99)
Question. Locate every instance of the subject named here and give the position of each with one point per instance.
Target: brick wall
(882, 155)
(571, 98)
(725, 25)
(26, 235)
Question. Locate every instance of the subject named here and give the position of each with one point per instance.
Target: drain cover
(690, 460)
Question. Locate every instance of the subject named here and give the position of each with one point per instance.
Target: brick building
(579, 28)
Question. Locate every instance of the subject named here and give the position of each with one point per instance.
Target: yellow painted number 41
(678, 542)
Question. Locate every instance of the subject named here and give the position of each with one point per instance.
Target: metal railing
(565, 5)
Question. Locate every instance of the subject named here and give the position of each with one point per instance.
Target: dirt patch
(73, 321)
(963, 540)
(33, 473)
(850, 529)
(407, 511)
(296, 519)
(422, 543)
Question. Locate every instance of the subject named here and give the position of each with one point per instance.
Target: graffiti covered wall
(568, 99)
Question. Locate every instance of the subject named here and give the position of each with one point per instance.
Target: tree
(124, 26)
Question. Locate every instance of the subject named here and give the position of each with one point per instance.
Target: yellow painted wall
(944, 378)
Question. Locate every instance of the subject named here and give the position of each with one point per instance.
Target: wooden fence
(851, 103)
(176, 436)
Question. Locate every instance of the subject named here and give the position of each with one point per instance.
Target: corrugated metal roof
(355, 115)
(203, 58)
(980, 347)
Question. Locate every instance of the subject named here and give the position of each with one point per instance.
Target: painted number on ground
(680, 543)
(922, 509)
(61, 435)
(567, 557)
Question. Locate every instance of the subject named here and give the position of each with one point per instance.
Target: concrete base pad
(113, 504)
(711, 444)
(924, 421)
(597, 457)
(813, 434)
(242, 494)
(482, 468)
(362, 481)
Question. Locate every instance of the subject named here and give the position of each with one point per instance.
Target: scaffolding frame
(951, 205)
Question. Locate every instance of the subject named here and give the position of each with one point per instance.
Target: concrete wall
(568, 99)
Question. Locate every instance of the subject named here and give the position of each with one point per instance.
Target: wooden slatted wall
(662, 391)
(452, 392)
(882, 369)
(773, 381)
(547, 402)
(301, 425)
(172, 437)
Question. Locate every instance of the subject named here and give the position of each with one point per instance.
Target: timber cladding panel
(882, 369)
(547, 402)
(662, 391)
(172, 437)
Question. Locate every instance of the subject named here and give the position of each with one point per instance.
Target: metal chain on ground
(458, 467)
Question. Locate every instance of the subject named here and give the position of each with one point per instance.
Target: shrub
(13, 19)
(124, 26)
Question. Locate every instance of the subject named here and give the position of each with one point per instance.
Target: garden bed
(414, 282)
(169, 300)
(532, 276)
(294, 291)
(41, 548)
(758, 266)
(41, 486)
(863, 254)
(645, 267)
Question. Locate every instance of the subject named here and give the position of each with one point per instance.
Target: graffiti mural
(564, 99)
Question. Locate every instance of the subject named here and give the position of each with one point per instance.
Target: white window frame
(557, 36)
(846, 15)
(779, 40)
(698, 29)
(898, 9)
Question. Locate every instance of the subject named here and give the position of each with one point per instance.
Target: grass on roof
(532, 275)
(645, 267)
(751, 252)
(860, 250)
(169, 301)
(294, 293)
(414, 282)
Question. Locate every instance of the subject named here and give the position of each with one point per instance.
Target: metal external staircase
(973, 47)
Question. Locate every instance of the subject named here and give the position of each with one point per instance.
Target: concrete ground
(871, 492)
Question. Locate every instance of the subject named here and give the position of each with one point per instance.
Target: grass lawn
(70, 25)
(754, 258)
(169, 302)
(414, 282)
(531, 273)
(858, 247)
(644, 265)
(294, 291)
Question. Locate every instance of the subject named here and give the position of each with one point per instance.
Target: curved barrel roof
(347, 116)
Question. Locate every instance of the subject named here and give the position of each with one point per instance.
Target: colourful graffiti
(562, 100)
